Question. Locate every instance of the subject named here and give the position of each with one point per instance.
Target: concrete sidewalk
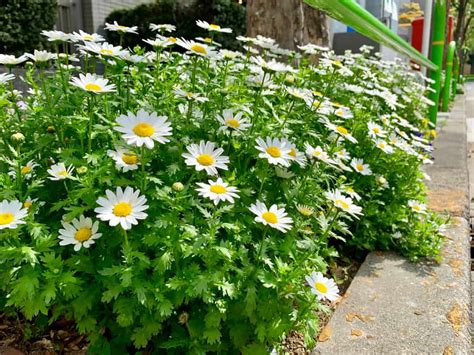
(394, 306)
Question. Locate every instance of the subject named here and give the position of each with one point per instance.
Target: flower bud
(177, 186)
(50, 129)
(18, 137)
(82, 170)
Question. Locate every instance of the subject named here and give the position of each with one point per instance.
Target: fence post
(437, 51)
(449, 76)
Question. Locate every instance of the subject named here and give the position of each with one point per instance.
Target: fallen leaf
(455, 317)
(418, 312)
(448, 350)
(350, 316)
(356, 332)
(325, 334)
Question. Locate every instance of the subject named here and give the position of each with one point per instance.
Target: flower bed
(193, 202)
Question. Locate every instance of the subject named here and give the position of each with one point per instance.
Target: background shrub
(21, 23)
(226, 13)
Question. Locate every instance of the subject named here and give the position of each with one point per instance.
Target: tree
(464, 10)
(290, 22)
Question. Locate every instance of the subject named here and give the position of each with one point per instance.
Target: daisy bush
(190, 199)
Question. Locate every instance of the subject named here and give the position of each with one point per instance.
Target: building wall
(102, 8)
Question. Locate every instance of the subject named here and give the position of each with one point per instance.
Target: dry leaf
(448, 350)
(325, 334)
(455, 317)
(350, 316)
(356, 332)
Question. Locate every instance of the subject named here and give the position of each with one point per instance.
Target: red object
(417, 32)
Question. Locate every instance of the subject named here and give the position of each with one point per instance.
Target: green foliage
(21, 23)
(226, 13)
(193, 276)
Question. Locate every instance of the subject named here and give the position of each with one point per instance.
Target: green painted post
(456, 75)
(449, 76)
(438, 34)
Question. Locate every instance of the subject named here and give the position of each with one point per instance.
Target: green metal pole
(438, 34)
(449, 76)
(456, 75)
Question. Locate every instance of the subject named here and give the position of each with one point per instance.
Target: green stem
(143, 163)
(90, 108)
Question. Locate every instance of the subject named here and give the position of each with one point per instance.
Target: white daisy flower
(92, 83)
(295, 154)
(124, 207)
(56, 36)
(208, 41)
(417, 206)
(29, 202)
(232, 122)
(159, 42)
(217, 191)
(115, 27)
(303, 94)
(5, 78)
(275, 150)
(305, 210)
(80, 233)
(11, 214)
(350, 191)
(86, 37)
(10, 60)
(283, 173)
(205, 157)
(162, 27)
(41, 56)
(344, 113)
(342, 131)
(359, 166)
(375, 130)
(200, 49)
(273, 65)
(189, 95)
(343, 154)
(125, 159)
(322, 287)
(318, 153)
(60, 172)
(383, 146)
(344, 203)
(104, 49)
(274, 217)
(212, 27)
(26, 170)
(144, 128)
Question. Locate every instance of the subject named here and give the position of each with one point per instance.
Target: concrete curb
(394, 306)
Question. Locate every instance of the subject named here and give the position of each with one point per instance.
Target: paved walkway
(397, 307)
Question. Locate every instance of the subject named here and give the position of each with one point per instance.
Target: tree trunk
(290, 22)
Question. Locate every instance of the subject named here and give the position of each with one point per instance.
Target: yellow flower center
(205, 159)
(360, 167)
(232, 122)
(198, 48)
(317, 93)
(376, 130)
(122, 28)
(337, 104)
(208, 40)
(417, 208)
(316, 103)
(172, 39)
(339, 113)
(93, 87)
(88, 37)
(218, 189)
(337, 62)
(129, 158)
(63, 173)
(305, 211)
(122, 209)
(349, 189)
(321, 287)
(317, 153)
(106, 51)
(342, 130)
(274, 152)
(27, 204)
(25, 170)
(292, 152)
(215, 27)
(270, 217)
(342, 204)
(381, 145)
(83, 234)
(144, 130)
(6, 218)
